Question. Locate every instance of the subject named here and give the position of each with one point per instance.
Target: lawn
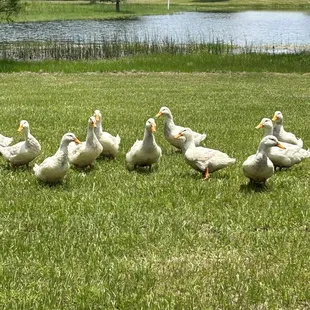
(109, 238)
(194, 62)
(69, 10)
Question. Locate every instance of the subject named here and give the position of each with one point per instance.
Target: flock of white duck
(278, 148)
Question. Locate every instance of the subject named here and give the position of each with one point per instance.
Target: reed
(106, 48)
(201, 61)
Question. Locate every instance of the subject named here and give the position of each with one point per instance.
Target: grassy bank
(110, 238)
(66, 10)
(200, 62)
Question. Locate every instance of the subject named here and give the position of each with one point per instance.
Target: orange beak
(281, 146)
(153, 128)
(97, 117)
(93, 124)
(20, 128)
(260, 125)
(77, 141)
(274, 118)
(178, 135)
(159, 114)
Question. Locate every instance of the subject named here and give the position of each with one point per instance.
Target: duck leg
(206, 174)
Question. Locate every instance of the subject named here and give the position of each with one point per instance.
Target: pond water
(251, 28)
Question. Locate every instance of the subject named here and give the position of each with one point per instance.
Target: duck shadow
(200, 176)
(63, 185)
(251, 187)
(105, 159)
(84, 170)
(8, 167)
(143, 170)
(172, 152)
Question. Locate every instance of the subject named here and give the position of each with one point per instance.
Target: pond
(251, 28)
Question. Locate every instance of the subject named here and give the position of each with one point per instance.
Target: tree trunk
(117, 5)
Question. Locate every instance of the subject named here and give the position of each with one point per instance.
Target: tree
(9, 8)
(117, 3)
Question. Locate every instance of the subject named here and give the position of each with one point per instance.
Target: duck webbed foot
(206, 174)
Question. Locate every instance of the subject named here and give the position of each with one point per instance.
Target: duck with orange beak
(22, 153)
(54, 168)
(283, 158)
(145, 152)
(203, 159)
(281, 134)
(84, 154)
(258, 167)
(171, 130)
(110, 143)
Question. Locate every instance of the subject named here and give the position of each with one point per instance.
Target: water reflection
(242, 28)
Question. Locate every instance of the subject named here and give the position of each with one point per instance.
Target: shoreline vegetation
(109, 56)
(70, 10)
(199, 62)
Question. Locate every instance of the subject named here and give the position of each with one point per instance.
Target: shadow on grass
(255, 187)
(105, 159)
(171, 151)
(57, 185)
(83, 170)
(146, 170)
(195, 175)
(8, 167)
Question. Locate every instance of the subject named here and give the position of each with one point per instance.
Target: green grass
(114, 239)
(66, 10)
(196, 62)
(112, 49)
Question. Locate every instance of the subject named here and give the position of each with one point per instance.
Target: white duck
(110, 144)
(5, 141)
(145, 152)
(203, 159)
(171, 130)
(281, 134)
(85, 153)
(22, 153)
(258, 167)
(291, 155)
(54, 168)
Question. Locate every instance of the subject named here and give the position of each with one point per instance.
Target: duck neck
(63, 148)
(148, 137)
(26, 131)
(268, 131)
(189, 143)
(90, 136)
(27, 135)
(261, 152)
(98, 129)
(277, 128)
(169, 120)
(62, 152)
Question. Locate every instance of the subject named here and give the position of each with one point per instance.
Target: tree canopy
(9, 8)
